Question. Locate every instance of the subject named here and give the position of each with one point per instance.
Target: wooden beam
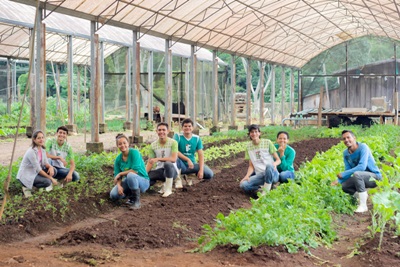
(321, 98)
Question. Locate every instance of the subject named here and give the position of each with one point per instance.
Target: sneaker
(49, 188)
(27, 192)
(129, 202)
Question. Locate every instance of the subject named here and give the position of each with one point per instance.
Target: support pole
(321, 98)
(78, 89)
(273, 95)
(43, 92)
(70, 65)
(192, 83)
(248, 92)
(14, 81)
(215, 90)
(136, 138)
(168, 83)
(95, 145)
(300, 94)
(102, 124)
(283, 95)
(262, 66)
(187, 89)
(291, 91)
(9, 89)
(233, 125)
(128, 124)
(150, 78)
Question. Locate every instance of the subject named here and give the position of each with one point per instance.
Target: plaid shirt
(65, 151)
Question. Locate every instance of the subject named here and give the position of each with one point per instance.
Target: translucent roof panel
(287, 32)
(16, 24)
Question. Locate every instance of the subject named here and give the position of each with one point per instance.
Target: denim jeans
(359, 181)
(208, 173)
(63, 172)
(269, 176)
(285, 176)
(130, 183)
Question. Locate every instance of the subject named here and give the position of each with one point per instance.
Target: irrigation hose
(7, 181)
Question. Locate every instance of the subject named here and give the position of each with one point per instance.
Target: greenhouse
(236, 77)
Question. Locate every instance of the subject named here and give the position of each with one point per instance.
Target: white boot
(162, 190)
(265, 188)
(49, 188)
(27, 192)
(178, 180)
(168, 187)
(362, 207)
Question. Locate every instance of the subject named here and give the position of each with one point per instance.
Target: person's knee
(75, 176)
(47, 183)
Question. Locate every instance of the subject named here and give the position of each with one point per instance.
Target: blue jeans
(208, 173)
(130, 183)
(285, 176)
(63, 172)
(269, 176)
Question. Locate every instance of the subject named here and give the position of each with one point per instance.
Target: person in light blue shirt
(360, 171)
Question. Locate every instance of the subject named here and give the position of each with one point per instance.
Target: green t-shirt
(287, 159)
(189, 147)
(135, 162)
(64, 151)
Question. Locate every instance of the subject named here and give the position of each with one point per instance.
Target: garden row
(308, 203)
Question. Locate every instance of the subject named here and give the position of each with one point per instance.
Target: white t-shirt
(261, 154)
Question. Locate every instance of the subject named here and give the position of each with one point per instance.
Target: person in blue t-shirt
(188, 145)
(360, 170)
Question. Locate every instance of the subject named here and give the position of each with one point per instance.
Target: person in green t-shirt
(287, 154)
(188, 145)
(59, 151)
(130, 175)
(163, 153)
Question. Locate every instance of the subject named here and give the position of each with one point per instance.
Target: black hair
(119, 136)
(34, 136)
(187, 120)
(162, 124)
(348, 131)
(283, 132)
(63, 128)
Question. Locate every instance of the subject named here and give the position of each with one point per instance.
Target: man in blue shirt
(360, 170)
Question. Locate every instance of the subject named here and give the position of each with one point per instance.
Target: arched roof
(286, 32)
(16, 21)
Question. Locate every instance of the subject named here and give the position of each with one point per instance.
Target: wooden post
(321, 95)
(262, 66)
(283, 96)
(233, 125)
(150, 77)
(291, 91)
(215, 89)
(78, 93)
(9, 87)
(70, 81)
(248, 92)
(273, 95)
(43, 79)
(168, 83)
(396, 108)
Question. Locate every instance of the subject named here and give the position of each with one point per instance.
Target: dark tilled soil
(175, 222)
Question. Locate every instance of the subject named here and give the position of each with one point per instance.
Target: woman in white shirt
(35, 170)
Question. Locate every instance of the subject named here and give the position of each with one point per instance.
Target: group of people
(44, 164)
(269, 164)
(169, 158)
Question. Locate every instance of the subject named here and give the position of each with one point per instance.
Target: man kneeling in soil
(163, 153)
(262, 171)
(188, 145)
(360, 170)
(58, 150)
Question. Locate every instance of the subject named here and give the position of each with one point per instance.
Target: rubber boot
(178, 180)
(265, 188)
(162, 190)
(135, 199)
(27, 192)
(168, 187)
(362, 207)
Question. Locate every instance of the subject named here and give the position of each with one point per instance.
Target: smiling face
(162, 132)
(39, 139)
(349, 140)
(282, 139)
(61, 136)
(123, 144)
(187, 128)
(255, 135)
